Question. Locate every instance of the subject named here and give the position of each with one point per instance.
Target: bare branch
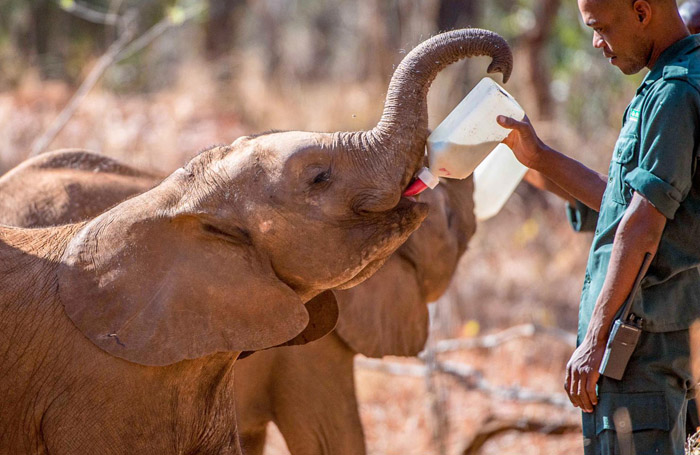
(121, 49)
(437, 397)
(42, 143)
(170, 20)
(497, 339)
(87, 13)
(393, 368)
(495, 426)
(468, 377)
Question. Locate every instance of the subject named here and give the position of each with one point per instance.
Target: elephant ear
(386, 314)
(156, 289)
(323, 317)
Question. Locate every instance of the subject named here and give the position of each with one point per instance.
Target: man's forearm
(639, 233)
(574, 178)
(539, 181)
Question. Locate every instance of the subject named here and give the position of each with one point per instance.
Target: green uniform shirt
(656, 155)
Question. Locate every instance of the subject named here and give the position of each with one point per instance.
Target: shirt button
(610, 179)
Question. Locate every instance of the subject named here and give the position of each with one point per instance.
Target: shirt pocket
(620, 165)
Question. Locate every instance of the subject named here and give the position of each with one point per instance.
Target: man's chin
(626, 68)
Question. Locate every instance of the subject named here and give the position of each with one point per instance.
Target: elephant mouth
(409, 214)
(405, 218)
(369, 270)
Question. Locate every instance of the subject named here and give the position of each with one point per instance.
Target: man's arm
(572, 177)
(539, 181)
(639, 233)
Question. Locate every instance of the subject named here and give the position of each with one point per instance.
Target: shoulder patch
(678, 70)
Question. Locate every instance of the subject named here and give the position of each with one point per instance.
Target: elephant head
(388, 313)
(222, 255)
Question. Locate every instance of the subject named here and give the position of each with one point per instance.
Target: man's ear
(156, 289)
(642, 9)
(386, 314)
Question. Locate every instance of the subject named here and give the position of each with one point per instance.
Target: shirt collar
(675, 50)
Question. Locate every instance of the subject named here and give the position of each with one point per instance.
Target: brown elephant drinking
(119, 335)
(308, 390)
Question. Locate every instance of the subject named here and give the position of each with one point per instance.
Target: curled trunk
(400, 135)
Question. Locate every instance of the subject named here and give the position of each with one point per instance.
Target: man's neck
(666, 40)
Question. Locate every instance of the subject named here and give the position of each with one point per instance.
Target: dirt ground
(397, 411)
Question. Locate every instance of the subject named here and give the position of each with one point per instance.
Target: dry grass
(692, 446)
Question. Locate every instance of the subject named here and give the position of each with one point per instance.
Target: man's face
(618, 31)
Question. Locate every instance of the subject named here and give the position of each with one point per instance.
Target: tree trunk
(222, 27)
(457, 14)
(536, 46)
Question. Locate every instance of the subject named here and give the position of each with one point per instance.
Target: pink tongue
(414, 188)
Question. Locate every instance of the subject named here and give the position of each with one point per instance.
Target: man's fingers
(592, 381)
(574, 390)
(509, 122)
(587, 406)
(511, 139)
(590, 391)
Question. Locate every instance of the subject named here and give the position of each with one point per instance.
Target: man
(649, 202)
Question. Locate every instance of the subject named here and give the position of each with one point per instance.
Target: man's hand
(523, 141)
(582, 374)
(574, 179)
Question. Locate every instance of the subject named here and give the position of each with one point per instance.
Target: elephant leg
(253, 377)
(314, 399)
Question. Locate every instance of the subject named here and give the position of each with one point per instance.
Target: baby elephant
(308, 390)
(119, 334)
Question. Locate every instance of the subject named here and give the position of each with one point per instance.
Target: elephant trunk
(399, 137)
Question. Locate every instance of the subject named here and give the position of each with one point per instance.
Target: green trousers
(645, 412)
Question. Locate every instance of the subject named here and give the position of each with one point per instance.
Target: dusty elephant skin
(308, 391)
(67, 186)
(118, 335)
(292, 386)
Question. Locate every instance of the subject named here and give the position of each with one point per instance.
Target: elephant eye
(322, 177)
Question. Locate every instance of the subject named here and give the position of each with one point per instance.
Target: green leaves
(67, 4)
(176, 15)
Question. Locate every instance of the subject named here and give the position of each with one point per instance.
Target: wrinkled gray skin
(308, 390)
(119, 335)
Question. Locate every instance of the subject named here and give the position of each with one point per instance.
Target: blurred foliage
(586, 88)
(303, 41)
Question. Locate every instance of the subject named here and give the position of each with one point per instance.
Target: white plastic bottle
(467, 135)
(495, 179)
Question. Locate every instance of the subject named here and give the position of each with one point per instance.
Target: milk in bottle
(467, 135)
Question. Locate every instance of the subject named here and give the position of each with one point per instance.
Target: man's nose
(598, 40)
